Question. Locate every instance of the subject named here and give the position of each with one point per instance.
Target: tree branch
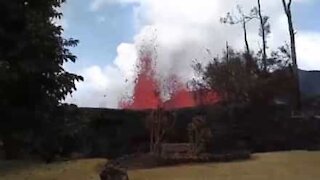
(289, 4)
(285, 6)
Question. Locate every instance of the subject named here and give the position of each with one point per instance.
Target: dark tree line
(33, 81)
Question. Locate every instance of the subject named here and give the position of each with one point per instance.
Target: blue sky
(109, 36)
(307, 16)
(99, 32)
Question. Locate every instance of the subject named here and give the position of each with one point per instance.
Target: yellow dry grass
(295, 165)
(87, 169)
(298, 165)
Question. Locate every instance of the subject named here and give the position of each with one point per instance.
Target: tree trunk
(244, 26)
(151, 137)
(11, 147)
(263, 35)
(287, 9)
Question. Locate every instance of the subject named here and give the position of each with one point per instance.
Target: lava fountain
(147, 91)
(146, 94)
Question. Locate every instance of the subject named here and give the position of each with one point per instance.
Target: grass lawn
(296, 165)
(87, 169)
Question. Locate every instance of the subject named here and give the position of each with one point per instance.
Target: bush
(205, 157)
(113, 171)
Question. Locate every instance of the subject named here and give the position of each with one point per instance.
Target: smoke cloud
(183, 31)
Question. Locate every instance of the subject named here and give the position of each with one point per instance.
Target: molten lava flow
(146, 93)
(183, 98)
(180, 97)
(205, 97)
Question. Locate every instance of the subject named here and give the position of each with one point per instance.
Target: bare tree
(264, 31)
(242, 19)
(159, 122)
(227, 51)
(287, 10)
(200, 134)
